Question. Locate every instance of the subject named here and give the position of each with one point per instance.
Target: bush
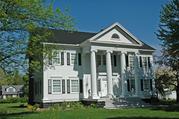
(67, 106)
(33, 107)
(14, 100)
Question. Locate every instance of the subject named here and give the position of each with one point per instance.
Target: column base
(95, 97)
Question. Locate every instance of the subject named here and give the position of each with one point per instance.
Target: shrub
(14, 100)
(33, 107)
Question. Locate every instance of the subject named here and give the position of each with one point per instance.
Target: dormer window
(115, 36)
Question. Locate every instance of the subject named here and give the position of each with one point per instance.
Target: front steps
(124, 102)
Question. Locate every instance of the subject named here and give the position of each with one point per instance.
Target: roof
(18, 89)
(76, 37)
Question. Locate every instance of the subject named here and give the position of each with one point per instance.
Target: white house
(112, 63)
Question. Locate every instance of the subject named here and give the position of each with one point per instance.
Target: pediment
(116, 34)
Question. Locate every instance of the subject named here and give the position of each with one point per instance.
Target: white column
(123, 68)
(137, 80)
(109, 73)
(93, 75)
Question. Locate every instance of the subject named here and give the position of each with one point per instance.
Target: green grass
(13, 111)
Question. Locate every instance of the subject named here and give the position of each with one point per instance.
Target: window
(74, 86)
(56, 57)
(63, 86)
(68, 86)
(79, 59)
(146, 84)
(104, 59)
(81, 86)
(49, 86)
(131, 84)
(115, 36)
(131, 62)
(98, 59)
(56, 86)
(115, 60)
(68, 58)
(144, 63)
(62, 58)
(73, 58)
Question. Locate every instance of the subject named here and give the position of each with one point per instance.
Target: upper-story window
(11, 89)
(56, 57)
(115, 36)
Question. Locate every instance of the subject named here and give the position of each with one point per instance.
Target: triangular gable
(125, 37)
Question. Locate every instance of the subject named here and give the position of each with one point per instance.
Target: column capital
(123, 52)
(93, 50)
(109, 51)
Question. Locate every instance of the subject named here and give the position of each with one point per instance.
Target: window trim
(60, 87)
(71, 92)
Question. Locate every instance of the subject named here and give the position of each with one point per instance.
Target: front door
(102, 86)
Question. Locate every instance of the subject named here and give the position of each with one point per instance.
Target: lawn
(13, 111)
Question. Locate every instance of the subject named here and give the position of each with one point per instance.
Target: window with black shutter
(149, 63)
(127, 60)
(128, 85)
(142, 86)
(140, 60)
(81, 86)
(115, 60)
(63, 86)
(79, 59)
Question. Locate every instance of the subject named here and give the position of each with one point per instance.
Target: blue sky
(140, 17)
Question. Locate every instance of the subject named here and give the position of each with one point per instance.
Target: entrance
(102, 86)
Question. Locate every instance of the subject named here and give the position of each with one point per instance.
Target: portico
(109, 72)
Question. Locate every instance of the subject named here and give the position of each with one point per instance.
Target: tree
(24, 25)
(20, 21)
(168, 33)
(165, 79)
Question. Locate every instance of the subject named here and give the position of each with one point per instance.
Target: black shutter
(62, 58)
(115, 61)
(142, 85)
(151, 87)
(149, 63)
(81, 86)
(79, 59)
(68, 86)
(127, 60)
(128, 85)
(68, 58)
(140, 60)
(63, 86)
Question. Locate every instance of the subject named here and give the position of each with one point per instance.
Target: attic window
(115, 36)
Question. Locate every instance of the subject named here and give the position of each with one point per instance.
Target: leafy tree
(165, 79)
(168, 33)
(24, 25)
(20, 21)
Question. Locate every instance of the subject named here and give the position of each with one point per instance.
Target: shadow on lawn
(169, 108)
(16, 114)
(141, 118)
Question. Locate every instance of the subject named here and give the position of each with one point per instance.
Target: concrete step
(124, 102)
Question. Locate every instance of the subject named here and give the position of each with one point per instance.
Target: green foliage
(14, 100)
(168, 33)
(33, 108)
(24, 25)
(67, 106)
(165, 79)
